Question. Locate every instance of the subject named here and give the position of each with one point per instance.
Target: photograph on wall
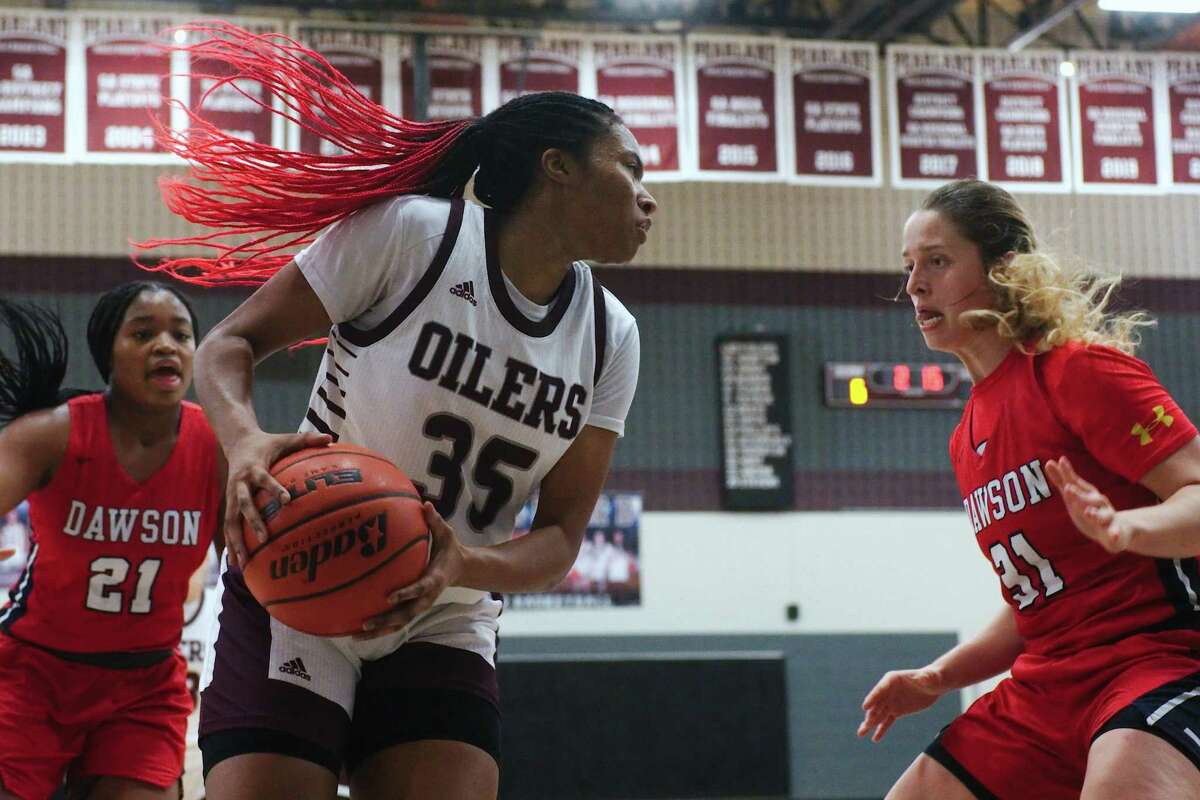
(641, 78)
(33, 84)
(1182, 78)
(1115, 108)
(835, 108)
(358, 55)
(733, 86)
(934, 135)
(607, 571)
(1023, 102)
(127, 69)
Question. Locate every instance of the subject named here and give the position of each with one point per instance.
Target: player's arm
(903, 692)
(283, 311)
(1170, 529)
(535, 562)
(31, 448)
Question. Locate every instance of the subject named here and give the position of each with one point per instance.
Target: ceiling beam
(1046, 24)
(911, 12)
(853, 13)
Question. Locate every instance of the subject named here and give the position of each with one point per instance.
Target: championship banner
(356, 54)
(835, 105)
(33, 73)
(735, 131)
(1114, 107)
(127, 67)
(641, 78)
(1182, 74)
(607, 571)
(1024, 102)
(455, 77)
(235, 107)
(532, 64)
(932, 115)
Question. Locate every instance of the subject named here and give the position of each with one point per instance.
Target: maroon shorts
(1030, 736)
(96, 721)
(259, 701)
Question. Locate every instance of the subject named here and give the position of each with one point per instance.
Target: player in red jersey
(1081, 480)
(124, 489)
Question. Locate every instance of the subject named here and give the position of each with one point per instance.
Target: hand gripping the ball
(250, 459)
(444, 569)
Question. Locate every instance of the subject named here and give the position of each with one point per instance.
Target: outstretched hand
(897, 694)
(444, 569)
(250, 460)
(1090, 510)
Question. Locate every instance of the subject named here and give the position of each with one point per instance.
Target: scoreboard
(889, 384)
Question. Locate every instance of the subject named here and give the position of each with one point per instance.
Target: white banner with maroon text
(736, 91)
(1180, 135)
(642, 79)
(1117, 115)
(1022, 103)
(835, 114)
(932, 121)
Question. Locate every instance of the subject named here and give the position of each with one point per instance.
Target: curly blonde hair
(1038, 304)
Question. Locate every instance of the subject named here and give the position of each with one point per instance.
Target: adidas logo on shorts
(295, 667)
(465, 290)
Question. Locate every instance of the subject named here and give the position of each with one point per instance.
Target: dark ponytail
(262, 202)
(506, 146)
(32, 378)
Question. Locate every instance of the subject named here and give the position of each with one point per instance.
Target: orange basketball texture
(352, 533)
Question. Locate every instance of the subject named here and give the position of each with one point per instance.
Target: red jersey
(111, 558)
(1109, 415)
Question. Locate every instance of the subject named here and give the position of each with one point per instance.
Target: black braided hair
(32, 377)
(109, 313)
(506, 146)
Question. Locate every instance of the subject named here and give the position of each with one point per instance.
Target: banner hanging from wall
(356, 54)
(607, 571)
(835, 105)
(127, 69)
(1115, 121)
(734, 91)
(455, 77)
(934, 134)
(530, 64)
(641, 78)
(33, 84)
(1023, 100)
(235, 107)
(1181, 75)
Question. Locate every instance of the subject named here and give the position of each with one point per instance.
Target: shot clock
(888, 384)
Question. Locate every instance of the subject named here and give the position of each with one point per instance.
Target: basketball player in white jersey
(474, 348)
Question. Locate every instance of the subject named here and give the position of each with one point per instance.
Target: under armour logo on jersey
(465, 290)
(1142, 432)
(295, 667)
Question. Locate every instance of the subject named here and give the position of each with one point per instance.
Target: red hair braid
(263, 200)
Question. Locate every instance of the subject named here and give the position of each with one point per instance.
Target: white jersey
(438, 363)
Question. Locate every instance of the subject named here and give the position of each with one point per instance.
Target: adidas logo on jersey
(465, 290)
(295, 667)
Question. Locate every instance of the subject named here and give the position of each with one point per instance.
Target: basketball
(352, 533)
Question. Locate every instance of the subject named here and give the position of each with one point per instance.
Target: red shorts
(57, 715)
(1030, 736)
